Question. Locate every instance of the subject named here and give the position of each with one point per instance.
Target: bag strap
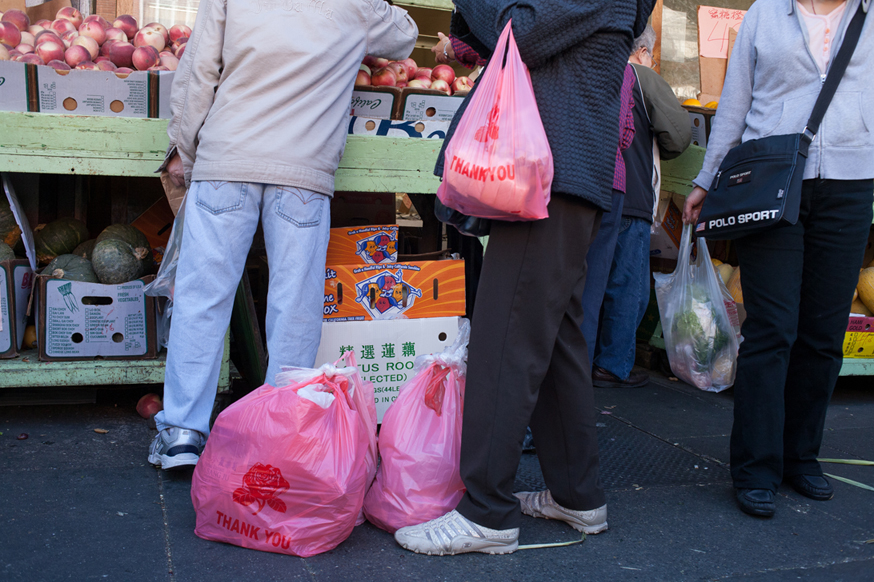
(836, 71)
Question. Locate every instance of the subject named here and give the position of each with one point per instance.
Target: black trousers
(798, 285)
(528, 364)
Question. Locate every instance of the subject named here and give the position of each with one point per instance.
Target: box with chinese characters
(394, 291)
(386, 350)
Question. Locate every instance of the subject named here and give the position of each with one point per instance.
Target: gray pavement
(81, 505)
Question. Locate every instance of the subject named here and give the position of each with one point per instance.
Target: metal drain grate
(631, 457)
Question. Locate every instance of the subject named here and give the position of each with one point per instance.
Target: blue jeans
(625, 298)
(598, 262)
(220, 221)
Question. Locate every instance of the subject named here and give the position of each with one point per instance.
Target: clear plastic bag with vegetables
(700, 337)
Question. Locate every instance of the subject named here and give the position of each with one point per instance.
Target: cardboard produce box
(375, 102)
(16, 280)
(428, 104)
(394, 291)
(366, 245)
(386, 350)
(392, 128)
(97, 93)
(859, 338)
(701, 119)
(13, 86)
(83, 321)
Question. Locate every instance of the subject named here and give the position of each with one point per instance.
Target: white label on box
(13, 86)
(386, 350)
(165, 84)
(93, 93)
(22, 279)
(387, 127)
(5, 331)
(90, 319)
(372, 104)
(699, 131)
(436, 107)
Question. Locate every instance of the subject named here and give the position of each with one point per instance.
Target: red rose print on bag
(261, 485)
(489, 131)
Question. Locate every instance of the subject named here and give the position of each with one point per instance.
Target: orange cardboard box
(363, 245)
(394, 291)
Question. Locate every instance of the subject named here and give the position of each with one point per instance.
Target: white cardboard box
(386, 350)
(392, 128)
(16, 282)
(13, 86)
(165, 84)
(93, 93)
(375, 103)
(436, 107)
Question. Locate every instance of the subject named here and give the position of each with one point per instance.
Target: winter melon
(866, 287)
(116, 261)
(859, 309)
(84, 250)
(72, 268)
(734, 286)
(135, 238)
(725, 272)
(6, 253)
(716, 262)
(59, 237)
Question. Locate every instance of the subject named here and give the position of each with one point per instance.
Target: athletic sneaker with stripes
(455, 534)
(176, 447)
(541, 504)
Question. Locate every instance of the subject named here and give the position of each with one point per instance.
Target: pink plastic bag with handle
(498, 163)
(284, 468)
(420, 443)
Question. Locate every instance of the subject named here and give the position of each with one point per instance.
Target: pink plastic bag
(498, 163)
(420, 443)
(284, 468)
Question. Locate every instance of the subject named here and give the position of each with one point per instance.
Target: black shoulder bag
(758, 185)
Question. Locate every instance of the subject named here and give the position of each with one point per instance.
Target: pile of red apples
(378, 72)
(73, 42)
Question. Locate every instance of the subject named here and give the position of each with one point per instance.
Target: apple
(424, 72)
(71, 14)
(363, 78)
(98, 19)
(383, 77)
(179, 50)
(444, 73)
(116, 34)
(411, 67)
(376, 62)
(145, 57)
(28, 38)
(9, 34)
(31, 59)
(44, 23)
(178, 31)
(365, 68)
(177, 43)
(59, 65)
(51, 51)
(17, 18)
(24, 48)
(420, 83)
(4, 53)
(169, 60)
(87, 66)
(90, 44)
(106, 65)
(150, 37)
(462, 84)
(400, 72)
(61, 26)
(35, 29)
(128, 24)
(94, 30)
(158, 27)
(442, 86)
(69, 37)
(47, 35)
(76, 55)
(149, 405)
(369, 61)
(121, 54)
(104, 48)
(401, 84)
(123, 71)
(158, 68)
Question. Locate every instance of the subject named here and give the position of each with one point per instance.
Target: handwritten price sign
(713, 26)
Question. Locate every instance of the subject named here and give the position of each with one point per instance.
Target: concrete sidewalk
(80, 505)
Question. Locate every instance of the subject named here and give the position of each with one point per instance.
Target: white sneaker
(176, 447)
(541, 504)
(454, 534)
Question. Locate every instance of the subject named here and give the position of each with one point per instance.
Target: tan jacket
(263, 91)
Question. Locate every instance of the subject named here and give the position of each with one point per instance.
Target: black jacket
(576, 53)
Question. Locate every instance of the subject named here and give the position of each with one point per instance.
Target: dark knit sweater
(576, 53)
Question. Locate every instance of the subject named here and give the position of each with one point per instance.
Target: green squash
(135, 238)
(85, 249)
(71, 268)
(6, 253)
(59, 237)
(10, 233)
(116, 261)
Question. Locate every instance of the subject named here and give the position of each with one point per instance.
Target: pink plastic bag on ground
(284, 469)
(420, 443)
(498, 163)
